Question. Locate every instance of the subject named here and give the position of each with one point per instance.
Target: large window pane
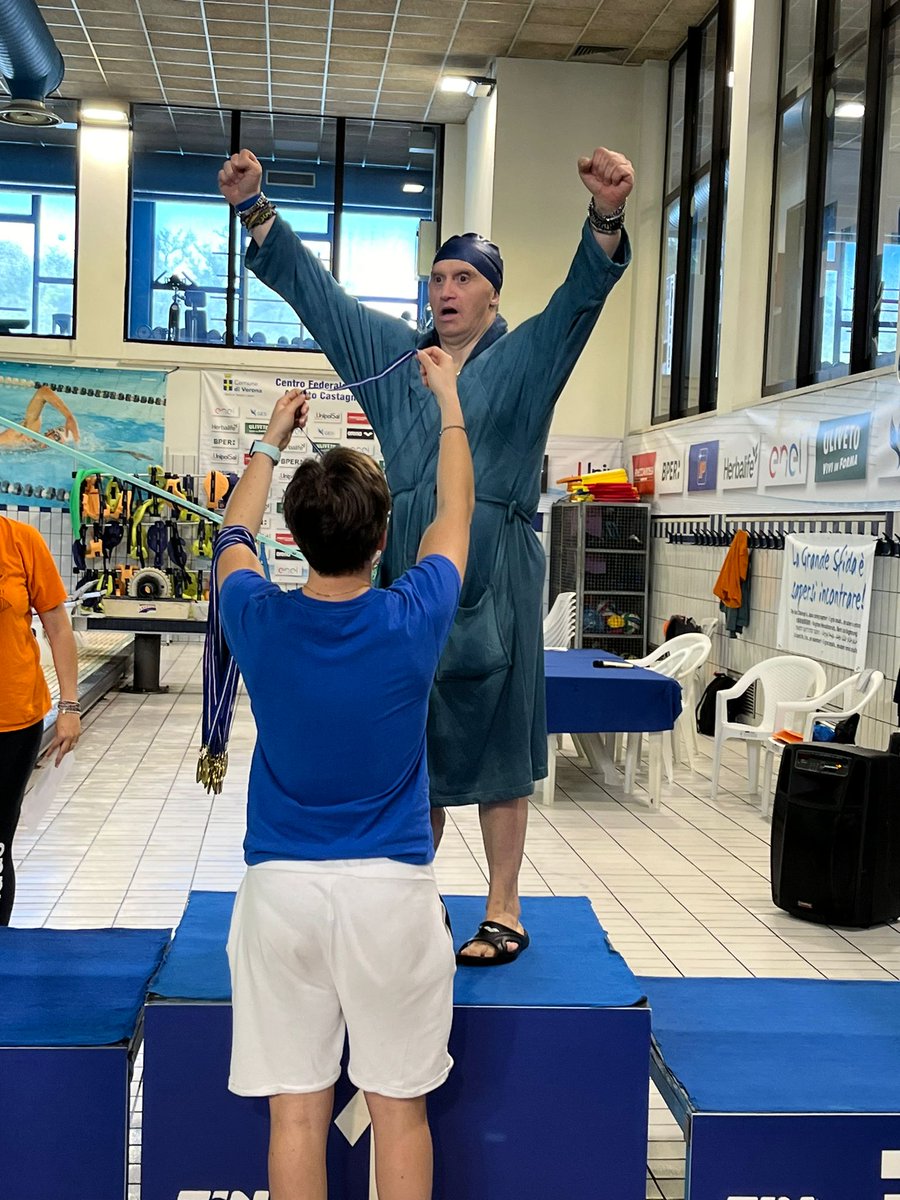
(696, 283)
(178, 276)
(37, 227)
(787, 247)
(888, 243)
(666, 314)
(677, 86)
(298, 157)
(799, 40)
(838, 256)
(706, 95)
(389, 187)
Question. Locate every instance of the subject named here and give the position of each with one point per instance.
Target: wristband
(606, 222)
(69, 706)
(245, 204)
(446, 427)
(266, 448)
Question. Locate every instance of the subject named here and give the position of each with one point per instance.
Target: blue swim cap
(478, 252)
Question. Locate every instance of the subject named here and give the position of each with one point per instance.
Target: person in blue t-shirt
(338, 923)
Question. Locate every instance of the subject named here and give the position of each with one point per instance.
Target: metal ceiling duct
(30, 63)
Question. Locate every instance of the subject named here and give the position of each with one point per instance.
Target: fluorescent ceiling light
(852, 109)
(414, 188)
(469, 85)
(107, 114)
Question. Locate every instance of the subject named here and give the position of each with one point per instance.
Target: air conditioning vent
(299, 179)
(597, 52)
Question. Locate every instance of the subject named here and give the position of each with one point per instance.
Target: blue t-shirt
(339, 691)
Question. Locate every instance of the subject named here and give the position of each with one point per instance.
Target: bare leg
(503, 827)
(403, 1157)
(438, 821)
(299, 1131)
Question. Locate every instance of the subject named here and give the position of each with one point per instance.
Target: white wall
(481, 136)
(549, 114)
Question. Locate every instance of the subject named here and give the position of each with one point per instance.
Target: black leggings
(18, 754)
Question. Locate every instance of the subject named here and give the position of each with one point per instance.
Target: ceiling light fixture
(854, 110)
(33, 114)
(107, 114)
(478, 86)
(414, 189)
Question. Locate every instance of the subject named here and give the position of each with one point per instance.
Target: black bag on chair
(705, 712)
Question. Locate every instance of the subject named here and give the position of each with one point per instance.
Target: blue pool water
(126, 434)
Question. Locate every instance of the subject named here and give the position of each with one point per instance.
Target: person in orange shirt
(29, 581)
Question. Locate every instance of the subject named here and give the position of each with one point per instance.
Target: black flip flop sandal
(492, 933)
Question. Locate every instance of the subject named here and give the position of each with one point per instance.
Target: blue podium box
(71, 1003)
(547, 1098)
(784, 1088)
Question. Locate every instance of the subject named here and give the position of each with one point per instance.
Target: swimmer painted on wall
(12, 439)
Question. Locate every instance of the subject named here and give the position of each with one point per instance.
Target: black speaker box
(836, 835)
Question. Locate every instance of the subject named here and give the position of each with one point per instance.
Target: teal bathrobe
(487, 736)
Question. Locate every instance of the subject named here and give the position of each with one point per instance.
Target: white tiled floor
(681, 891)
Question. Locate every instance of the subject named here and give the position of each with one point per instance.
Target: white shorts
(317, 948)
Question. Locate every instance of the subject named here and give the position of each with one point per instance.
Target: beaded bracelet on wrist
(606, 222)
(262, 211)
(69, 706)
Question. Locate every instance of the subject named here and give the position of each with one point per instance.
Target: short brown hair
(337, 508)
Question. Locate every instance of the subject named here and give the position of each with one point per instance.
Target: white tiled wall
(682, 578)
(56, 530)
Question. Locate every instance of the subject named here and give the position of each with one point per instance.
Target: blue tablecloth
(570, 965)
(582, 698)
(780, 1045)
(75, 987)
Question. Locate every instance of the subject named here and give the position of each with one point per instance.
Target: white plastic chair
(700, 648)
(852, 696)
(785, 681)
(559, 623)
(676, 665)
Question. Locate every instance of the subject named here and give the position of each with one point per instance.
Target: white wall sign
(739, 463)
(670, 472)
(234, 410)
(826, 595)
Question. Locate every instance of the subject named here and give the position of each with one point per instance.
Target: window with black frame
(354, 192)
(694, 221)
(37, 227)
(835, 257)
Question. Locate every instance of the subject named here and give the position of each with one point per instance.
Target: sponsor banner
(703, 467)
(567, 455)
(785, 457)
(886, 444)
(670, 472)
(643, 472)
(826, 596)
(235, 408)
(842, 448)
(117, 416)
(739, 463)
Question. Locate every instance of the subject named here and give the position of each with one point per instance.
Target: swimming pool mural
(113, 414)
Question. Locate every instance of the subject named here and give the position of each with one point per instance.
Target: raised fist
(240, 177)
(609, 177)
